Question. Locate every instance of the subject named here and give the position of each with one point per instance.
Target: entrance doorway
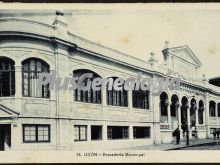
(5, 136)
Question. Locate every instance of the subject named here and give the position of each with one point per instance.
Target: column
(15, 131)
(207, 116)
(179, 115)
(130, 105)
(53, 92)
(203, 115)
(155, 107)
(130, 132)
(18, 88)
(168, 113)
(178, 109)
(130, 100)
(104, 133)
(104, 101)
(89, 132)
(197, 117)
(188, 115)
(104, 97)
(151, 102)
(18, 81)
(188, 121)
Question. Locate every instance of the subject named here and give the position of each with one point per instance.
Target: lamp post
(187, 135)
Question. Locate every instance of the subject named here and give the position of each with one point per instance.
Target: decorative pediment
(7, 112)
(184, 53)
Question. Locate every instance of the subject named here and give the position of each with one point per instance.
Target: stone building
(74, 120)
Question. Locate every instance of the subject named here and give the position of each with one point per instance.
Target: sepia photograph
(109, 83)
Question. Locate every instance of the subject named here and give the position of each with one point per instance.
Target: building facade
(46, 119)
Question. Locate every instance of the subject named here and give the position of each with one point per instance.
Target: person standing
(217, 132)
(177, 136)
(214, 134)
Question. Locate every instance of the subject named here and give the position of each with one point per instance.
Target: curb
(193, 145)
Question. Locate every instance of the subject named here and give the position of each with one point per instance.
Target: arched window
(212, 109)
(88, 96)
(163, 104)
(140, 99)
(7, 77)
(116, 97)
(193, 112)
(200, 112)
(30, 70)
(218, 109)
(184, 109)
(174, 105)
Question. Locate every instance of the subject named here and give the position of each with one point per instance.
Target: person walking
(177, 136)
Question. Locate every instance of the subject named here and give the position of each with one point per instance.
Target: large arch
(116, 97)
(7, 77)
(184, 108)
(88, 96)
(212, 108)
(193, 107)
(31, 68)
(218, 111)
(48, 59)
(5, 54)
(201, 112)
(174, 105)
(82, 66)
(163, 104)
(141, 99)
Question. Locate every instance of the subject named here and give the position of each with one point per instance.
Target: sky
(140, 31)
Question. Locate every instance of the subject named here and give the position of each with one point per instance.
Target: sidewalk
(172, 146)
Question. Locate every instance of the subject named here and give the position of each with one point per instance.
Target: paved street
(205, 147)
(193, 145)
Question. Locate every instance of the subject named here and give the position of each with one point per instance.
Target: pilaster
(18, 88)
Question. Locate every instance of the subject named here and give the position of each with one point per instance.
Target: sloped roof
(215, 81)
(43, 29)
(108, 52)
(186, 54)
(7, 112)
